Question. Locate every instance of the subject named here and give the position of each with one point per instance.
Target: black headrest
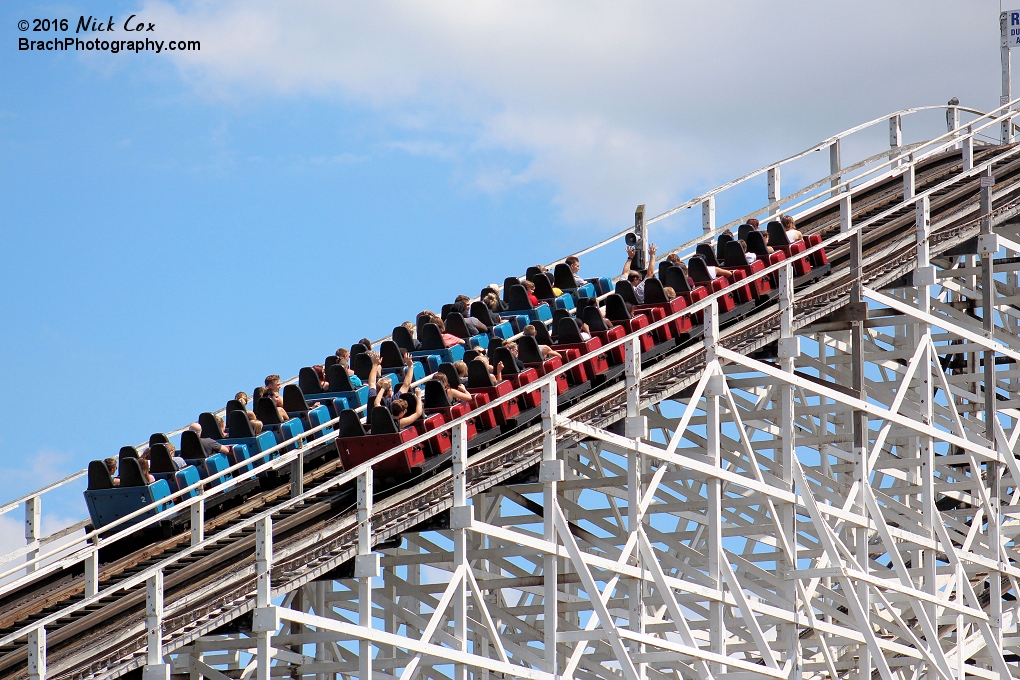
(593, 317)
(158, 438)
(756, 244)
(473, 354)
(390, 354)
(531, 273)
(412, 400)
(734, 255)
(293, 399)
(234, 405)
(616, 308)
(478, 374)
(403, 338)
(528, 350)
(557, 315)
(239, 425)
(383, 422)
(265, 410)
(329, 361)
(720, 245)
(362, 366)
(431, 338)
(569, 331)
(502, 354)
(698, 270)
(210, 426)
(707, 254)
(350, 424)
(435, 395)
(542, 333)
(191, 447)
(419, 323)
(777, 234)
(127, 452)
(338, 379)
(358, 348)
(508, 283)
(494, 343)
(308, 379)
(160, 460)
(131, 473)
(743, 230)
(677, 280)
(451, 374)
(455, 325)
(563, 278)
(626, 291)
(481, 312)
(663, 266)
(445, 310)
(654, 294)
(543, 287)
(99, 476)
(517, 298)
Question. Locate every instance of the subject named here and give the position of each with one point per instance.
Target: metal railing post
(968, 150)
(835, 165)
(775, 191)
(708, 215)
(266, 619)
(460, 520)
(198, 518)
(366, 568)
(297, 472)
(92, 573)
(909, 179)
(895, 137)
(33, 528)
(1005, 133)
(37, 654)
(713, 515)
(551, 473)
(155, 668)
(788, 351)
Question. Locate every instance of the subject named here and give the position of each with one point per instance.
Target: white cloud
(614, 103)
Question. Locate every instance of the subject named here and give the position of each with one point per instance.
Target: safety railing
(93, 541)
(898, 164)
(835, 180)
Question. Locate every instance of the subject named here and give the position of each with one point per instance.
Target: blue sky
(175, 227)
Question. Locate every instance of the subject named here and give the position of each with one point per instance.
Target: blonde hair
(462, 368)
(384, 384)
(409, 326)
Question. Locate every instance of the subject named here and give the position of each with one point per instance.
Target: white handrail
(947, 139)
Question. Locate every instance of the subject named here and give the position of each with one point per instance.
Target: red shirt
(532, 299)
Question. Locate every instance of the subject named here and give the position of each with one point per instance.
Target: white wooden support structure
(37, 654)
(155, 666)
(33, 528)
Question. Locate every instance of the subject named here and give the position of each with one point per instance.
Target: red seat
(436, 401)
(570, 339)
(530, 354)
(818, 259)
(699, 272)
(661, 307)
(355, 447)
(616, 311)
(438, 444)
(480, 384)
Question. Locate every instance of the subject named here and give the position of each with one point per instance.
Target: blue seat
(563, 279)
(432, 345)
(185, 478)
(238, 454)
(318, 416)
(603, 285)
(340, 387)
(455, 325)
(504, 330)
(210, 467)
(393, 361)
(290, 429)
(520, 305)
(108, 503)
(161, 466)
(242, 434)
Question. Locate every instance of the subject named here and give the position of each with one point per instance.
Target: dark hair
(258, 393)
(366, 342)
(398, 406)
(460, 307)
(571, 260)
